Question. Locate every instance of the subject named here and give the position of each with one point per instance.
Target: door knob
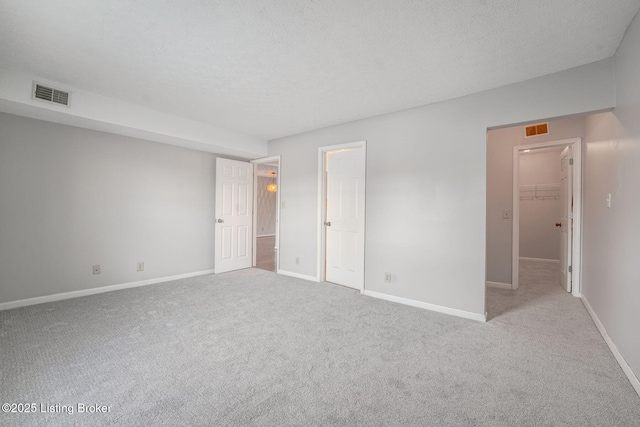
(220, 221)
(558, 224)
(327, 223)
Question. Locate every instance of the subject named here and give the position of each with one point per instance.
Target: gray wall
(611, 242)
(539, 237)
(266, 207)
(500, 143)
(426, 185)
(71, 198)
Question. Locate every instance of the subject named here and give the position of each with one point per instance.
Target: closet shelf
(540, 192)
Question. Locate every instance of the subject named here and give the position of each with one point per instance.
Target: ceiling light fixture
(272, 188)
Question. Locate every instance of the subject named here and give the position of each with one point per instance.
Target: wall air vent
(534, 130)
(50, 94)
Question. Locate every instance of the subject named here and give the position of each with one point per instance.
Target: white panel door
(344, 223)
(566, 220)
(234, 215)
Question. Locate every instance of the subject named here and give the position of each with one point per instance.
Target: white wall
(611, 279)
(500, 143)
(539, 237)
(97, 112)
(71, 198)
(266, 207)
(426, 188)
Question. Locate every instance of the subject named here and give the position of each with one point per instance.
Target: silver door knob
(220, 221)
(327, 223)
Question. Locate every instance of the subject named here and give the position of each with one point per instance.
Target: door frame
(576, 253)
(256, 162)
(322, 205)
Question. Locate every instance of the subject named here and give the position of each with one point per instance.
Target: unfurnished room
(319, 213)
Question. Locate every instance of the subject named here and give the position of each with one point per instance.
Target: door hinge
(569, 269)
(571, 215)
(570, 162)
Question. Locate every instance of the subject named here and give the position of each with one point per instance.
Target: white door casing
(566, 221)
(344, 218)
(234, 215)
(575, 258)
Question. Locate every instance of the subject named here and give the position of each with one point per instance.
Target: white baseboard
(499, 285)
(298, 275)
(265, 235)
(427, 306)
(553, 261)
(623, 363)
(93, 291)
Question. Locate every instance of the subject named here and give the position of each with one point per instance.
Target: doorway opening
(341, 214)
(266, 214)
(534, 214)
(534, 208)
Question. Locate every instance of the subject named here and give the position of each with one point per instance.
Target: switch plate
(96, 269)
(506, 214)
(608, 200)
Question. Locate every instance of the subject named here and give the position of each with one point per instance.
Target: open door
(566, 216)
(344, 220)
(234, 215)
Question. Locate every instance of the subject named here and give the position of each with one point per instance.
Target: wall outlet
(141, 266)
(298, 260)
(506, 214)
(96, 269)
(387, 277)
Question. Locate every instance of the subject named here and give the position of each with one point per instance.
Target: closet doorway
(547, 189)
(266, 213)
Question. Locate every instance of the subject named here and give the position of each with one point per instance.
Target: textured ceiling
(277, 67)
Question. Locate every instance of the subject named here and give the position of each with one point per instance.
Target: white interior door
(566, 216)
(234, 215)
(344, 219)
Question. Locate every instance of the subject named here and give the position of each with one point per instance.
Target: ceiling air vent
(534, 130)
(50, 94)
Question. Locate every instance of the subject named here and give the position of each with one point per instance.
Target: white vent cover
(50, 94)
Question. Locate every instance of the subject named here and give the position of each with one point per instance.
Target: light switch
(506, 214)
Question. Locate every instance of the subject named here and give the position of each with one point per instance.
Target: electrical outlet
(298, 260)
(387, 277)
(141, 266)
(96, 269)
(506, 214)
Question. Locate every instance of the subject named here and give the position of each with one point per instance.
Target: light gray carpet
(254, 348)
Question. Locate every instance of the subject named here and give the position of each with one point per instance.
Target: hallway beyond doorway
(265, 253)
(538, 284)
